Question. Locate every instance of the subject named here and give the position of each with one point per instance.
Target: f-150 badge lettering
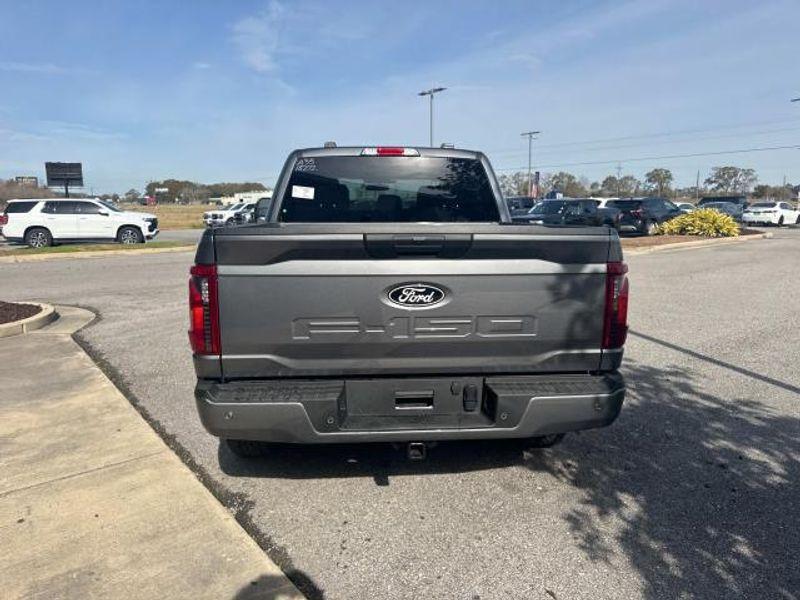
(347, 329)
(416, 295)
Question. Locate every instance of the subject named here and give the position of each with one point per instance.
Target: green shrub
(705, 222)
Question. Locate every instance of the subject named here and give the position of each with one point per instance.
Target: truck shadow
(379, 461)
(698, 493)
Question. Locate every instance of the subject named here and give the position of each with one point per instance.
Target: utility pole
(530, 135)
(697, 188)
(619, 173)
(431, 93)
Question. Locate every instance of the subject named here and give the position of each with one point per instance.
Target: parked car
(519, 205)
(740, 200)
(729, 208)
(610, 216)
(569, 211)
(686, 207)
(43, 222)
(771, 213)
(397, 302)
(642, 215)
(227, 217)
(248, 213)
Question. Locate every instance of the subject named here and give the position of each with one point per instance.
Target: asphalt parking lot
(692, 493)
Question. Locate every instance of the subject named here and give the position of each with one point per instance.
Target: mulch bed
(646, 241)
(9, 311)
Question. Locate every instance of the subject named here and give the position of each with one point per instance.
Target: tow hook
(417, 451)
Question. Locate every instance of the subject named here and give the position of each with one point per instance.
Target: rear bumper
(767, 219)
(327, 411)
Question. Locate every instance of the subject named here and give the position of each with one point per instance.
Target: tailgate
(314, 300)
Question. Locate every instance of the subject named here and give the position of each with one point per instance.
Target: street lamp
(530, 135)
(430, 93)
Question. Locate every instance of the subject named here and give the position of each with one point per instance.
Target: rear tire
(38, 237)
(544, 441)
(780, 221)
(247, 448)
(130, 235)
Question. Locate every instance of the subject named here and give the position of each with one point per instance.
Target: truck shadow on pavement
(698, 493)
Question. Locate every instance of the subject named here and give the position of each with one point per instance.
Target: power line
(653, 135)
(682, 141)
(665, 157)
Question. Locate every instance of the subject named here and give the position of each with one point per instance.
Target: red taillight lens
(637, 213)
(390, 151)
(3, 219)
(203, 310)
(615, 322)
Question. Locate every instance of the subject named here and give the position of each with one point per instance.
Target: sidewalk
(93, 504)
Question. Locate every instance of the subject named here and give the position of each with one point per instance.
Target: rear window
(19, 207)
(763, 205)
(625, 204)
(359, 189)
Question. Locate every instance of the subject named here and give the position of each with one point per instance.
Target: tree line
(178, 190)
(181, 190)
(657, 182)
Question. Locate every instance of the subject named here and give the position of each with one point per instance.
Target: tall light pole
(430, 93)
(530, 135)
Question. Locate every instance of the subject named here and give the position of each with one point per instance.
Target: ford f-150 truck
(385, 295)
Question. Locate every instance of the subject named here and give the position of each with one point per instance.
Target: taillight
(3, 219)
(615, 322)
(203, 310)
(637, 212)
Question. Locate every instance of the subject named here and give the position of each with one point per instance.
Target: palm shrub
(705, 222)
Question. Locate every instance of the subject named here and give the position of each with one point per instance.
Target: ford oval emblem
(416, 295)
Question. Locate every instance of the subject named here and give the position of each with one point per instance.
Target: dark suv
(642, 215)
(569, 211)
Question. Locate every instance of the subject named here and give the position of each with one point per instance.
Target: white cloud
(45, 68)
(257, 37)
(201, 66)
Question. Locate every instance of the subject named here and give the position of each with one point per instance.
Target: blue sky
(222, 91)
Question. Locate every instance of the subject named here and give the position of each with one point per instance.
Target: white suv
(40, 223)
(227, 217)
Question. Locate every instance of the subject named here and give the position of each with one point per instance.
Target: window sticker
(306, 165)
(303, 192)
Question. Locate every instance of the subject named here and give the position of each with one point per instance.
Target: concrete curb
(93, 503)
(44, 317)
(696, 244)
(22, 258)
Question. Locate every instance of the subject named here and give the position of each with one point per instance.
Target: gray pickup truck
(385, 295)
